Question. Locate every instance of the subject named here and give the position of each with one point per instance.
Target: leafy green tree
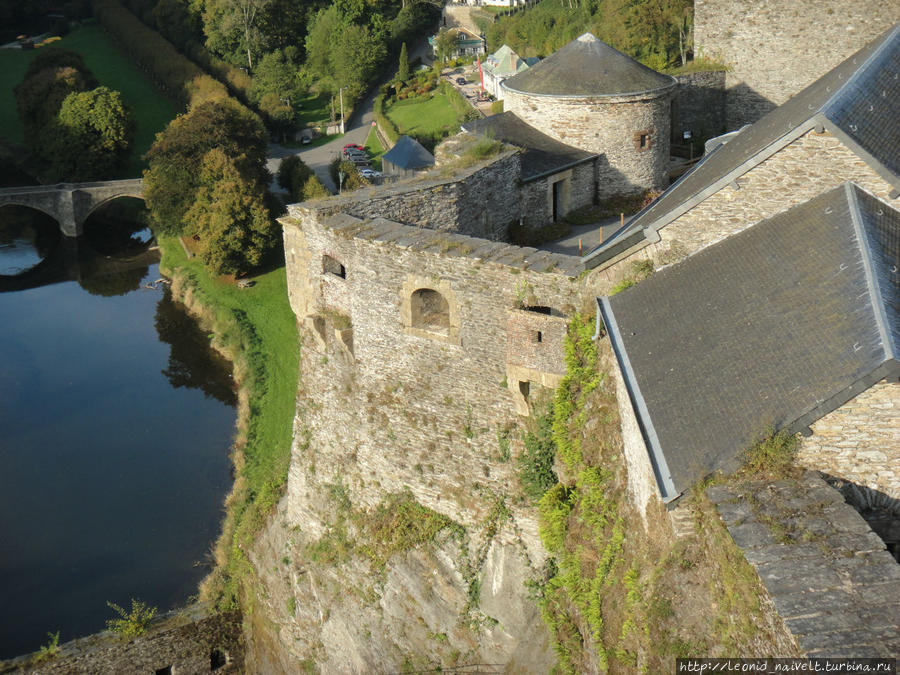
(278, 74)
(234, 27)
(40, 96)
(356, 56)
(91, 137)
(230, 217)
(172, 179)
(177, 22)
(403, 66)
(445, 45)
(279, 114)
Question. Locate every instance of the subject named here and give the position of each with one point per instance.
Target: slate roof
(771, 328)
(505, 62)
(541, 156)
(858, 101)
(408, 153)
(588, 67)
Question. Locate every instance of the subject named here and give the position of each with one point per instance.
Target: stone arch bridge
(71, 203)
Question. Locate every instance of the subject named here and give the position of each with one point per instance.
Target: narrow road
(356, 131)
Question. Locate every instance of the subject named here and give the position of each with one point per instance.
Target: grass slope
(152, 109)
(423, 118)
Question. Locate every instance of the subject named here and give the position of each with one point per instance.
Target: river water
(116, 423)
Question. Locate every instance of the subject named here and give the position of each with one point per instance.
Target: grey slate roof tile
(769, 328)
(588, 67)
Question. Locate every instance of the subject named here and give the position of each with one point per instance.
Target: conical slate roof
(588, 67)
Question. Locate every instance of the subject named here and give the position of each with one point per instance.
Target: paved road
(356, 131)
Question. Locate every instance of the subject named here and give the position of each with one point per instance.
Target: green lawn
(316, 109)
(152, 109)
(423, 117)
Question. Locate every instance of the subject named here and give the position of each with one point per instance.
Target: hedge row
(460, 105)
(157, 57)
(387, 127)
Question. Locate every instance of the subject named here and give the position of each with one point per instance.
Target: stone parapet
(831, 579)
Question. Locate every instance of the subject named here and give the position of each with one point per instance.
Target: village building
(503, 64)
(468, 43)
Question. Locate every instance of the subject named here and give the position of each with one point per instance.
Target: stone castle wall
(860, 442)
(481, 201)
(395, 404)
(775, 48)
(699, 106)
(611, 126)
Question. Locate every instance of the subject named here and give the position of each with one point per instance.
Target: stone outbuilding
(593, 97)
(501, 65)
(555, 178)
(843, 127)
(406, 159)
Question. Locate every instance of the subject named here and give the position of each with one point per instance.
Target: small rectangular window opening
(536, 336)
(524, 387)
(644, 139)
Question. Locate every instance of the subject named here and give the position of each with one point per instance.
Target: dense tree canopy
(229, 216)
(91, 136)
(171, 182)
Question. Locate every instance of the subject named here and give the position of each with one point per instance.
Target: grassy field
(255, 325)
(316, 109)
(152, 109)
(375, 149)
(423, 117)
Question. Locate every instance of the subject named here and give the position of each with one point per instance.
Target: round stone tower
(596, 98)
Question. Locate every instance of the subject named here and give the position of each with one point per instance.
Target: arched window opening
(218, 658)
(430, 311)
(332, 266)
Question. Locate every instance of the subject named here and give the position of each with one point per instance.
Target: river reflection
(117, 420)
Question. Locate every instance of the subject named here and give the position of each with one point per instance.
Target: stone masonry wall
(775, 48)
(699, 105)
(392, 405)
(481, 201)
(831, 579)
(611, 127)
(536, 197)
(809, 166)
(860, 442)
(186, 641)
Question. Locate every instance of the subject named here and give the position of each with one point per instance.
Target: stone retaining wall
(191, 640)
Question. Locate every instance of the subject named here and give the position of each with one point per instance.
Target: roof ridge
(877, 52)
(869, 261)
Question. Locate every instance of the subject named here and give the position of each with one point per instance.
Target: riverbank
(255, 328)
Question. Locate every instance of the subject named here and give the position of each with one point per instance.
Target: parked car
(355, 146)
(354, 153)
(369, 174)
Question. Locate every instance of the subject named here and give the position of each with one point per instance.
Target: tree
(176, 156)
(445, 45)
(278, 74)
(229, 216)
(403, 66)
(91, 137)
(40, 96)
(234, 26)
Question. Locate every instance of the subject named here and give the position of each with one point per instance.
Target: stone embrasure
(829, 575)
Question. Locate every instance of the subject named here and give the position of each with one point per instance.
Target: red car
(356, 146)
